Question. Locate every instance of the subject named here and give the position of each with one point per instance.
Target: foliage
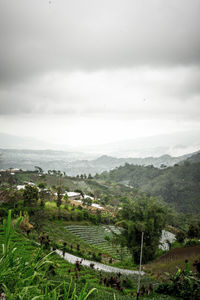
(30, 196)
(66, 198)
(59, 198)
(8, 232)
(38, 169)
(180, 236)
(146, 215)
(193, 231)
(79, 191)
(87, 201)
(24, 224)
(192, 242)
(14, 198)
(184, 284)
(23, 278)
(41, 185)
(178, 185)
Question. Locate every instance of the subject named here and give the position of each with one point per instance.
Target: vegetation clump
(28, 278)
(184, 284)
(146, 215)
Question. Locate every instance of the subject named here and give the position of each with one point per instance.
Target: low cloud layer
(99, 62)
(128, 93)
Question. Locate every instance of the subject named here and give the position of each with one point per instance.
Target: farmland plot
(96, 236)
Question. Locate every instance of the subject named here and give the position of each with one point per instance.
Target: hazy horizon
(176, 144)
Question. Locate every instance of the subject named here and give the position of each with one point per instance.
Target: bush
(93, 219)
(193, 231)
(79, 216)
(128, 283)
(184, 285)
(181, 236)
(192, 242)
(107, 238)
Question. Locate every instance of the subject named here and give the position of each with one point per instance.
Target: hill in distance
(178, 185)
(70, 163)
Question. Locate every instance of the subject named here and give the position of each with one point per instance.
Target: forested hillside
(178, 185)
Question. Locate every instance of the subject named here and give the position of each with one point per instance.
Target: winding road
(97, 266)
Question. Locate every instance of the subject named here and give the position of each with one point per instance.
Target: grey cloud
(131, 94)
(37, 95)
(37, 37)
(179, 83)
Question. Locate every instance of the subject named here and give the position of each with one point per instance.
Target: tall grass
(23, 277)
(9, 230)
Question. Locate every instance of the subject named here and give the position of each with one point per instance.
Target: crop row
(96, 236)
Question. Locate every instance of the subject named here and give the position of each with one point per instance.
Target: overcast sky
(94, 71)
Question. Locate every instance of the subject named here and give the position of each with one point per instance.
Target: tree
(79, 191)
(97, 194)
(163, 166)
(14, 198)
(89, 176)
(38, 169)
(193, 231)
(98, 213)
(119, 239)
(30, 196)
(59, 199)
(180, 236)
(66, 198)
(139, 215)
(42, 194)
(87, 201)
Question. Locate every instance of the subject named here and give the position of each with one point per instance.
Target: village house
(74, 195)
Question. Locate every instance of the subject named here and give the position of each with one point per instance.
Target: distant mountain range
(107, 163)
(68, 162)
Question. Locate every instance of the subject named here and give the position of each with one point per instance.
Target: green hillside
(178, 185)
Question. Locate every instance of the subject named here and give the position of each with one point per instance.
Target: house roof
(87, 196)
(72, 194)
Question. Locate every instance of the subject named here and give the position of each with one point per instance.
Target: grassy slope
(28, 250)
(172, 260)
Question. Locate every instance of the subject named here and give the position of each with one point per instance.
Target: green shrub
(184, 285)
(181, 236)
(192, 242)
(107, 238)
(128, 283)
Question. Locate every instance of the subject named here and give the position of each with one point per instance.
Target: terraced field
(96, 236)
